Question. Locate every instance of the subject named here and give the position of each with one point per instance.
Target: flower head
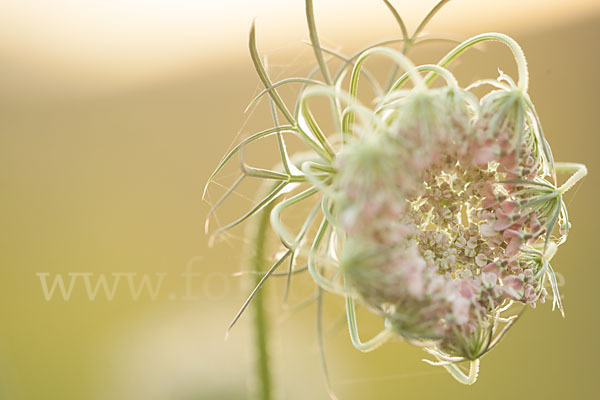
(438, 208)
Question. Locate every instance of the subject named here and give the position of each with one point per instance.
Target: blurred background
(112, 116)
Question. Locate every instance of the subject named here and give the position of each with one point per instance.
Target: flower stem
(262, 362)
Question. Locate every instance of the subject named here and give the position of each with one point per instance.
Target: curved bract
(440, 211)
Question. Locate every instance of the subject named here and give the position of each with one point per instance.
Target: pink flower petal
(503, 221)
(513, 247)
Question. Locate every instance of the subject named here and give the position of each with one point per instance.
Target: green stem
(518, 54)
(580, 172)
(262, 362)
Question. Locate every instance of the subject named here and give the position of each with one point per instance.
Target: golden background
(113, 115)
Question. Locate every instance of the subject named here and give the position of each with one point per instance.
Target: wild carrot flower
(439, 211)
